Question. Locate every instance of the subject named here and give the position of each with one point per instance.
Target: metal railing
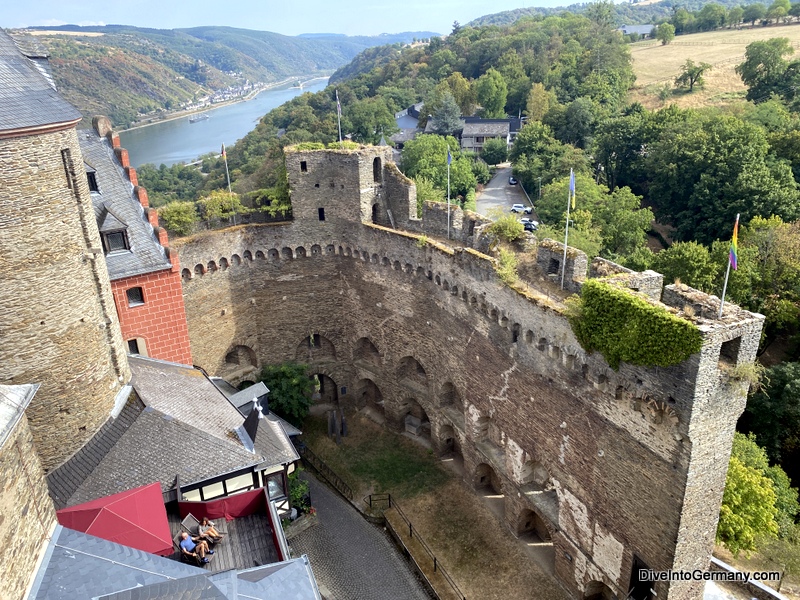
(374, 500)
(317, 464)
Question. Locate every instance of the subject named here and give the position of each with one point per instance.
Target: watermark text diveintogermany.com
(700, 575)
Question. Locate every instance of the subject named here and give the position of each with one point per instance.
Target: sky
(351, 17)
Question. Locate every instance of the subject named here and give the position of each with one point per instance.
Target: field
(657, 66)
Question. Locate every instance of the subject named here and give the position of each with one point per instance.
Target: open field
(656, 65)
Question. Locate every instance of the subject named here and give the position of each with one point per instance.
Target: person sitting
(194, 546)
(208, 532)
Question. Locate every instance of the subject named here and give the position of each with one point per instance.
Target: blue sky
(352, 17)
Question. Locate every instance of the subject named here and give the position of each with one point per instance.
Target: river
(178, 140)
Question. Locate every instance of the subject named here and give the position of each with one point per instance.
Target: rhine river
(178, 140)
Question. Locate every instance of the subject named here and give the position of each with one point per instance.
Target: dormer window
(115, 241)
(91, 177)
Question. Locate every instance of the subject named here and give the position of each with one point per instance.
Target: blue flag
(449, 157)
(572, 187)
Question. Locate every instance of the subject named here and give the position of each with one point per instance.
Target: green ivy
(625, 327)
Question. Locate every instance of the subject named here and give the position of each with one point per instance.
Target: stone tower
(58, 326)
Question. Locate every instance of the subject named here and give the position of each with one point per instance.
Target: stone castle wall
(27, 515)
(58, 326)
(612, 466)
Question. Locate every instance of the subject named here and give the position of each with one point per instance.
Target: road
(499, 195)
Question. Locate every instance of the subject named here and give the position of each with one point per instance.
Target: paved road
(498, 194)
(352, 558)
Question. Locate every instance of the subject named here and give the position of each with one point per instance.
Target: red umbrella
(136, 518)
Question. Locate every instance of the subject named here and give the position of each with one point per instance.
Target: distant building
(645, 31)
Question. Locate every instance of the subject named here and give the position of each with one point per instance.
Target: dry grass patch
(656, 65)
(481, 555)
(755, 562)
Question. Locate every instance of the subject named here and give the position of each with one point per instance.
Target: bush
(471, 202)
(507, 228)
(507, 269)
(290, 390)
(179, 217)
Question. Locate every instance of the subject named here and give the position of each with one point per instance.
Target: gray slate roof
(157, 447)
(27, 98)
(186, 394)
(116, 207)
(80, 566)
(243, 401)
(484, 128)
(77, 565)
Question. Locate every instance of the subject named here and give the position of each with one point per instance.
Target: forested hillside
(624, 13)
(125, 72)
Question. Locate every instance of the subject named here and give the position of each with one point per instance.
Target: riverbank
(180, 114)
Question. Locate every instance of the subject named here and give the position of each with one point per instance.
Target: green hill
(127, 72)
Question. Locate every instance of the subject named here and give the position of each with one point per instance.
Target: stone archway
(489, 487)
(315, 348)
(533, 531)
(415, 420)
(368, 396)
(597, 590)
(327, 392)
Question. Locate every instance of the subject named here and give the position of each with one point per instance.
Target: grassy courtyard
(481, 555)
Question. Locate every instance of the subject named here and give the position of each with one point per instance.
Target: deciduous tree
(492, 92)
(692, 74)
(665, 33)
(290, 390)
(495, 151)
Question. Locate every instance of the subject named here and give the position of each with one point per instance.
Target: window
(92, 179)
(479, 139)
(135, 296)
(274, 485)
(115, 241)
(321, 212)
(133, 347)
(303, 166)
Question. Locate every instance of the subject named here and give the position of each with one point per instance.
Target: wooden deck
(248, 543)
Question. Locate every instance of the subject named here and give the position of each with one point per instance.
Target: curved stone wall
(58, 326)
(599, 457)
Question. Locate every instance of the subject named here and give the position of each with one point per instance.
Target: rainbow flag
(734, 253)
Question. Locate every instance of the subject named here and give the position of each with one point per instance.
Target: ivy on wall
(625, 327)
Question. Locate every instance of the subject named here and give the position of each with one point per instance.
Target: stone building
(144, 270)
(616, 469)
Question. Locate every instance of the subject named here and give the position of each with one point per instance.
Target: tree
(665, 33)
(682, 19)
(688, 261)
(447, 118)
(692, 74)
(426, 156)
(290, 390)
(463, 92)
(220, 204)
(753, 13)
(735, 15)
(427, 192)
(711, 16)
(764, 67)
(539, 102)
(773, 415)
(367, 120)
(495, 151)
(179, 217)
(492, 91)
(748, 502)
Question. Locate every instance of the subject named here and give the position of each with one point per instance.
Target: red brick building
(144, 271)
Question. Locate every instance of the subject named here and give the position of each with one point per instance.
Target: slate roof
(78, 565)
(14, 399)
(157, 447)
(27, 98)
(81, 566)
(640, 29)
(488, 127)
(272, 441)
(116, 207)
(243, 401)
(186, 394)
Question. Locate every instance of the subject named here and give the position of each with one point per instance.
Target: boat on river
(196, 118)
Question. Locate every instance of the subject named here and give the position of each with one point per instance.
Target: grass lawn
(656, 65)
(481, 555)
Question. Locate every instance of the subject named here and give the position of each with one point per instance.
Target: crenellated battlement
(609, 466)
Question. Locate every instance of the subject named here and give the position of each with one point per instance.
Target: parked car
(525, 220)
(512, 181)
(531, 226)
(521, 208)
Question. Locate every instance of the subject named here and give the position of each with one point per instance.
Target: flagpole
(339, 116)
(730, 261)
(448, 193)
(570, 192)
(228, 175)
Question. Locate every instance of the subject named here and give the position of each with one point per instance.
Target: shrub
(507, 228)
(179, 217)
